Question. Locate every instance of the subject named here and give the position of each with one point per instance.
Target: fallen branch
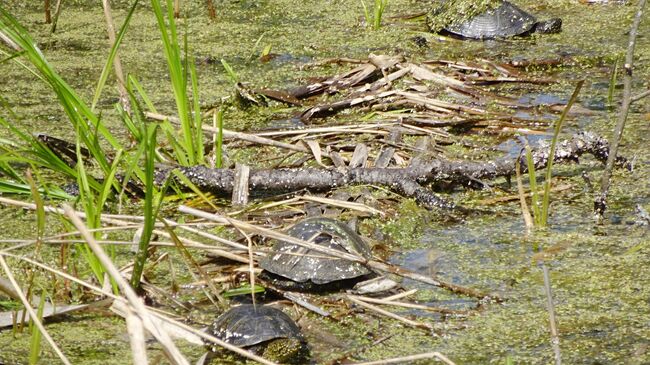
(407, 181)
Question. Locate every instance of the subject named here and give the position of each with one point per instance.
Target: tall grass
(92, 134)
(191, 143)
(83, 119)
(540, 204)
(150, 210)
(374, 20)
(540, 210)
(36, 336)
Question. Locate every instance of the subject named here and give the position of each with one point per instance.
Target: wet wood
(409, 181)
(240, 187)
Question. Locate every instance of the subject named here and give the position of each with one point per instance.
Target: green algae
(601, 290)
(456, 12)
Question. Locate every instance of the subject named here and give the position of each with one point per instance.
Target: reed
(374, 20)
(150, 210)
(87, 124)
(191, 143)
(36, 336)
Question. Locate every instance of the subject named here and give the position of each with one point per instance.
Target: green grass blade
(243, 290)
(149, 214)
(176, 145)
(194, 188)
(92, 210)
(549, 166)
(230, 72)
(36, 335)
(40, 207)
(380, 5)
(366, 13)
(43, 156)
(109, 181)
(177, 75)
(143, 94)
(218, 148)
(198, 124)
(79, 114)
(11, 187)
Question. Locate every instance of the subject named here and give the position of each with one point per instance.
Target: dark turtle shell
(248, 325)
(301, 264)
(504, 20)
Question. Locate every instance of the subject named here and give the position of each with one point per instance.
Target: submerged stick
(600, 202)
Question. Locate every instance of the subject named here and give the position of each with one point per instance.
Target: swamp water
(599, 273)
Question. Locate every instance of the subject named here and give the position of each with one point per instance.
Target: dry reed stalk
(401, 295)
(57, 12)
(227, 134)
(135, 330)
(386, 313)
(352, 128)
(117, 64)
(405, 359)
(528, 219)
(640, 96)
(170, 349)
(192, 264)
(343, 204)
(122, 224)
(48, 13)
(409, 305)
(251, 263)
(297, 299)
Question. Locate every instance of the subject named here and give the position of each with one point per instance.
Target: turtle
(262, 329)
(293, 267)
(495, 19)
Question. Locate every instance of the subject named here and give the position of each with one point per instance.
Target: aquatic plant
(374, 20)
(540, 204)
(179, 68)
(540, 209)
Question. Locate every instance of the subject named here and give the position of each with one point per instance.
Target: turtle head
(549, 26)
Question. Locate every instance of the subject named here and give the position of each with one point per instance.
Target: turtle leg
(549, 26)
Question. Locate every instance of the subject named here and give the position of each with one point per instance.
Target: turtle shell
(505, 20)
(301, 264)
(248, 325)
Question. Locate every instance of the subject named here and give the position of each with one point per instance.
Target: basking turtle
(264, 330)
(294, 267)
(487, 19)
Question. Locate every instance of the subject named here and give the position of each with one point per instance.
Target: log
(409, 181)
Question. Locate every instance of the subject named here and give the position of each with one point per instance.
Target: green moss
(600, 289)
(450, 12)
